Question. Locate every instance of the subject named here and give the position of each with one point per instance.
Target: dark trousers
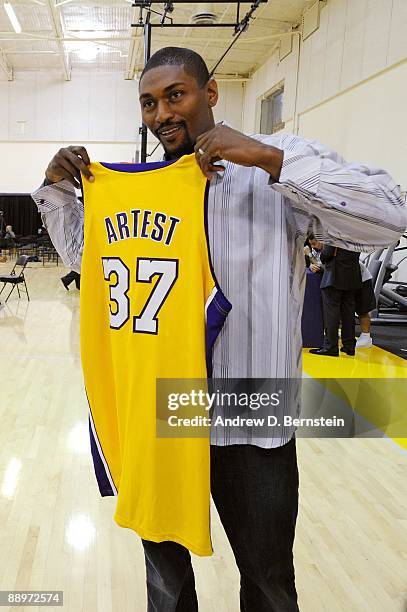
(255, 491)
(72, 276)
(339, 307)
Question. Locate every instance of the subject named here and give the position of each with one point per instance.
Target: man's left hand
(223, 142)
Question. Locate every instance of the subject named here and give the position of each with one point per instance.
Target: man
(8, 241)
(267, 193)
(365, 301)
(313, 255)
(9, 235)
(341, 279)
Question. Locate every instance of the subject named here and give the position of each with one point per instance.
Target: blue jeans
(255, 491)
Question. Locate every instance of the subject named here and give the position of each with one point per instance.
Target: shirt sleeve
(349, 205)
(62, 215)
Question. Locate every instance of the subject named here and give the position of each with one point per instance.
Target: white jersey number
(146, 322)
(119, 313)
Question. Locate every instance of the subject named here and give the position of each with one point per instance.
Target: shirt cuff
(53, 196)
(299, 171)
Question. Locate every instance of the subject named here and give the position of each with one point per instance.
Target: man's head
(176, 97)
(314, 242)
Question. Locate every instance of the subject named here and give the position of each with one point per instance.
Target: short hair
(178, 56)
(311, 236)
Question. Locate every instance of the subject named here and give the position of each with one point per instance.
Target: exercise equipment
(391, 295)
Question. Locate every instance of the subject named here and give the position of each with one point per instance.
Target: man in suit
(341, 278)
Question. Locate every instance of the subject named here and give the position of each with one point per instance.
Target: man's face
(315, 244)
(175, 109)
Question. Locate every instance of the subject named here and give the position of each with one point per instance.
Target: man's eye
(175, 95)
(148, 104)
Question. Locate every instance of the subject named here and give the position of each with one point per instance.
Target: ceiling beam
(59, 34)
(5, 66)
(133, 50)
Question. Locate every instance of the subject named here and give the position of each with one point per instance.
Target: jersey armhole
(217, 305)
(221, 299)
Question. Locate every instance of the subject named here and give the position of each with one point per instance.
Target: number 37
(146, 269)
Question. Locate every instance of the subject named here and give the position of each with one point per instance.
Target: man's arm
(350, 205)
(62, 215)
(61, 211)
(327, 254)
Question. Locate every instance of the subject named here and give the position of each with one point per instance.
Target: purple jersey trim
(142, 167)
(219, 307)
(99, 462)
(216, 313)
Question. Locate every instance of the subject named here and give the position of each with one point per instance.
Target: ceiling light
(13, 17)
(88, 52)
(90, 33)
(205, 14)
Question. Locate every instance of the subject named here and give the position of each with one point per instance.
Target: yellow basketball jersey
(150, 308)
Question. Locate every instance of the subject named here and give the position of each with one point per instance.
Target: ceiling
(73, 35)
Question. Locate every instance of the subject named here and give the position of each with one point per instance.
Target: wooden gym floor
(57, 533)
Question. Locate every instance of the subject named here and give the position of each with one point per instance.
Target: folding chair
(15, 279)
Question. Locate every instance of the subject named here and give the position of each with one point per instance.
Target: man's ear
(212, 92)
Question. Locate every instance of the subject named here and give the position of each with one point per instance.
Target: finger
(202, 164)
(79, 164)
(212, 154)
(65, 164)
(207, 156)
(208, 168)
(82, 152)
(203, 143)
(59, 170)
(204, 136)
(65, 175)
(205, 160)
(216, 167)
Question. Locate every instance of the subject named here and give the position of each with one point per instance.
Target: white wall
(98, 110)
(352, 83)
(352, 86)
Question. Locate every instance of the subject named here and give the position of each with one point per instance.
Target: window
(272, 112)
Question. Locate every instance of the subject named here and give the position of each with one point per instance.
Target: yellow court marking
(367, 363)
(381, 403)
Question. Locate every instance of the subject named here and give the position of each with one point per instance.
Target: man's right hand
(68, 164)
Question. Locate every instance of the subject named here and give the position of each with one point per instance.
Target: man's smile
(171, 132)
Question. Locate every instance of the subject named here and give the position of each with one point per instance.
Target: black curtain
(20, 211)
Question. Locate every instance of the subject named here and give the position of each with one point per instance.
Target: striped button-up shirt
(257, 228)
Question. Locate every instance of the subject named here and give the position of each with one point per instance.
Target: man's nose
(164, 112)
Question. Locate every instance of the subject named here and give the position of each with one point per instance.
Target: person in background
(342, 277)
(70, 278)
(8, 242)
(365, 301)
(313, 255)
(9, 235)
